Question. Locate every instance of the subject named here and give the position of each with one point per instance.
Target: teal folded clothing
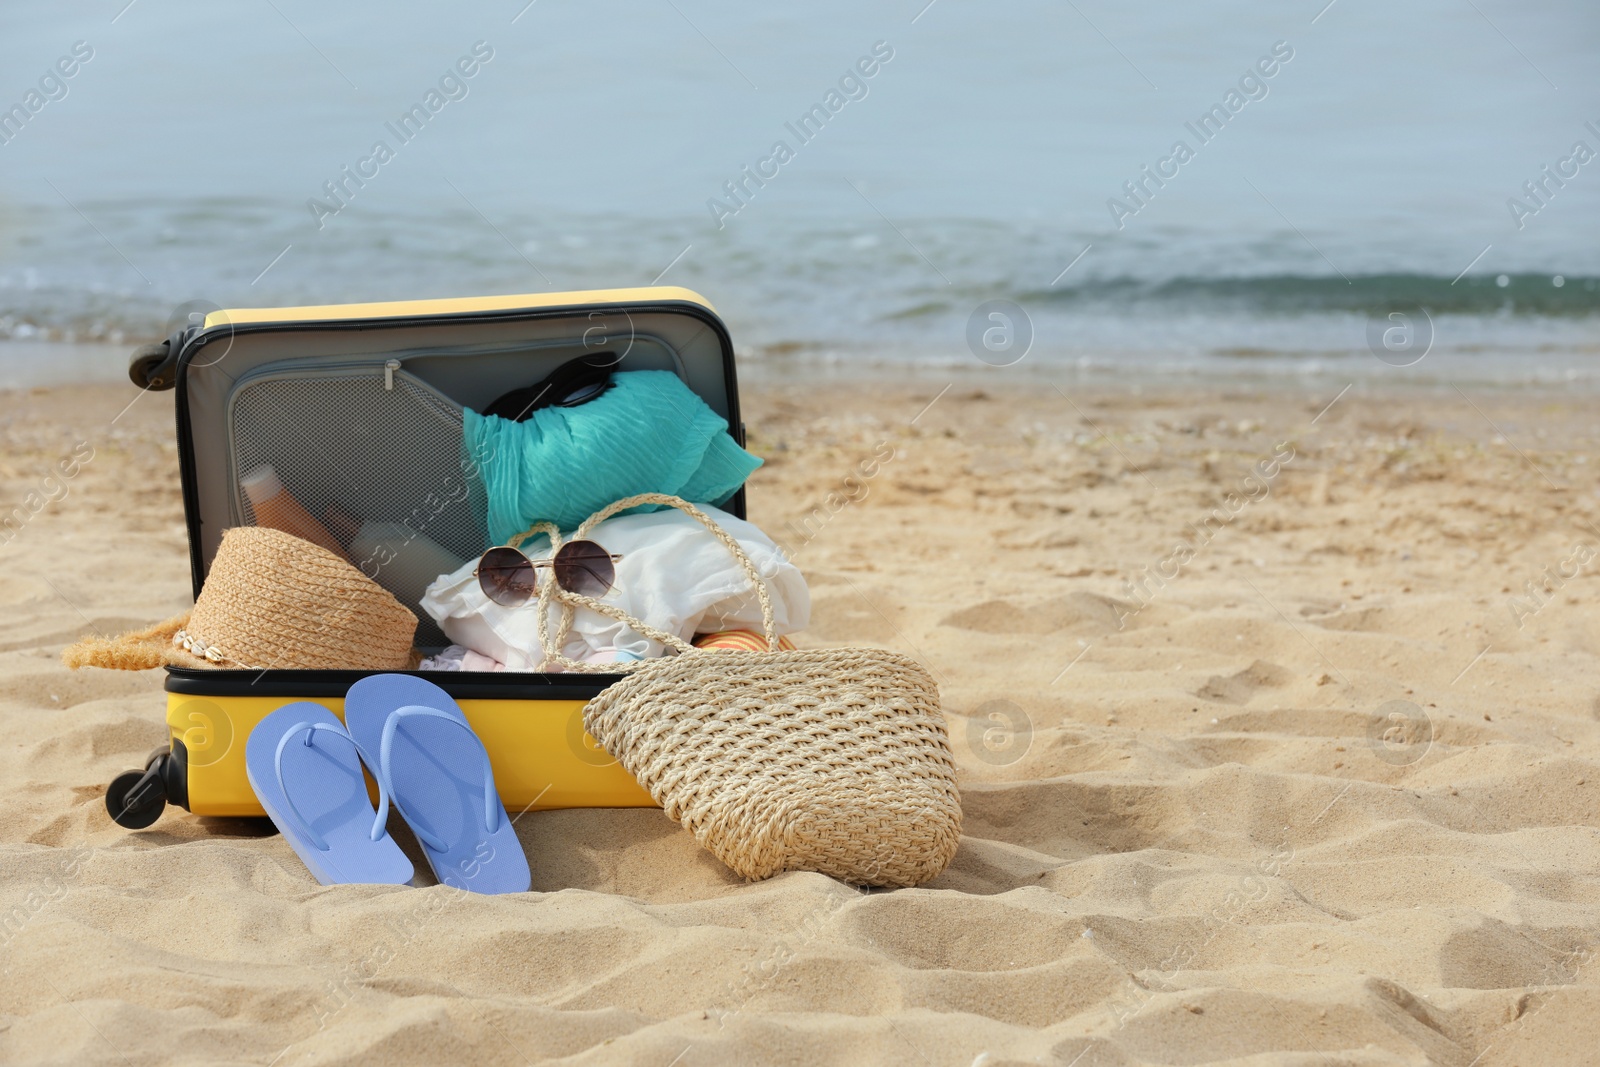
(648, 434)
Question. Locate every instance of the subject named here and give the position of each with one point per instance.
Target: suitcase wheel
(135, 799)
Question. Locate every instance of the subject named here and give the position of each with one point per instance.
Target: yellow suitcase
(371, 390)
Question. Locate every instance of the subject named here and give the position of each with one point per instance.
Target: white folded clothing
(674, 575)
(462, 658)
(459, 658)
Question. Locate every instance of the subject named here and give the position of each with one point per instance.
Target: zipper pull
(389, 367)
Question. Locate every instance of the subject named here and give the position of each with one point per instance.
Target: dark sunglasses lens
(506, 577)
(584, 567)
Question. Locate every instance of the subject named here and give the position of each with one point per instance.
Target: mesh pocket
(374, 456)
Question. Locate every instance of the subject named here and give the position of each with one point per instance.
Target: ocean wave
(1542, 294)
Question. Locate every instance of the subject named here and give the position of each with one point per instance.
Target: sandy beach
(1276, 712)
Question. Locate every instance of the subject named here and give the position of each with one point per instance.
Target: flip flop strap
(310, 729)
(391, 725)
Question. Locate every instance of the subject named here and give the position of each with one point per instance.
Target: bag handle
(570, 601)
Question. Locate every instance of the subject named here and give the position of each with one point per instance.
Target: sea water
(1192, 189)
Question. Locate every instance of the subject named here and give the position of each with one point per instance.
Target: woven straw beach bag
(828, 760)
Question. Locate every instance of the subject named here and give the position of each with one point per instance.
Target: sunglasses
(573, 384)
(509, 578)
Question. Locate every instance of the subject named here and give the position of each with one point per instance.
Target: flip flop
(306, 772)
(426, 758)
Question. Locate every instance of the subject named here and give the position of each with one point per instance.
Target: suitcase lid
(428, 356)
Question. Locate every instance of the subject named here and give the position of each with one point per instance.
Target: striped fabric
(748, 640)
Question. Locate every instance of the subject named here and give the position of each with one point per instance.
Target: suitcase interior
(359, 405)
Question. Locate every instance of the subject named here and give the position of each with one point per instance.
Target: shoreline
(26, 365)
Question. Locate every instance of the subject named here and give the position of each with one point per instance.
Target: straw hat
(271, 601)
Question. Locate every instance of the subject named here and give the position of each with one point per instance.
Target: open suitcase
(360, 405)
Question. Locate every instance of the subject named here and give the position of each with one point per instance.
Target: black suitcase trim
(460, 685)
